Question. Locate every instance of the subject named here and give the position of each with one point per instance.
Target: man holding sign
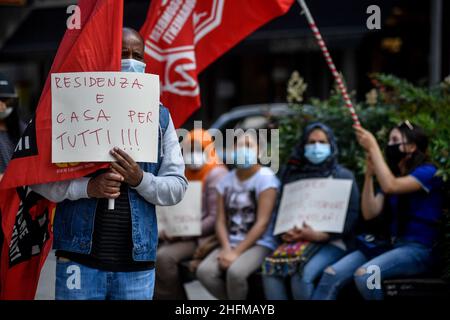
(102, 253)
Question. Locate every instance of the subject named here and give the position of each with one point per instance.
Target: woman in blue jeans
(314, 157)
(411, 198)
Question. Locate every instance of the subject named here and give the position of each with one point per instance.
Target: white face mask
(5, 114)
(194, 160)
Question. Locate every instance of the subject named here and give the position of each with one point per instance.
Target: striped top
(112, 245)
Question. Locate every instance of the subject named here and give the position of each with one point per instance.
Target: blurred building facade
(257, 70)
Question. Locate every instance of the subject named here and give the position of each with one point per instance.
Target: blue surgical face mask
(132, 65)
(318, 152)
(245, 157)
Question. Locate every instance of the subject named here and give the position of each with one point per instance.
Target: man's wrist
(139, 180)
(89, 188)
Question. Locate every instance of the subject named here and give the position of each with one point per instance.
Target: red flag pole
(330, 63)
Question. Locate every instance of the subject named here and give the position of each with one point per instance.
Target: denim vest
(74, 220)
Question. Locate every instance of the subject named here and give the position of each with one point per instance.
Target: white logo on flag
(180, 63)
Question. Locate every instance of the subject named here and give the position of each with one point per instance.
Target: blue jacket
(74, 220)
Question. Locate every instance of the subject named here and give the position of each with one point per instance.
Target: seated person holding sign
(202, 164)
(410, 199)
(246, 197)
(110, 254)
(304, 252)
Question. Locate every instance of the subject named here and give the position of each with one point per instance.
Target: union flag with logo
(182, 37)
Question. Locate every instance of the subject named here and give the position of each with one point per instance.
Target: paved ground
(46, 287)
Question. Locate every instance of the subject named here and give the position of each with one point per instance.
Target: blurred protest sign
(93, 112)
(184, 218)
(321, 203)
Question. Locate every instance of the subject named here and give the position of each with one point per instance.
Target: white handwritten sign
(92, 112)
(184, 218)
(321, 203)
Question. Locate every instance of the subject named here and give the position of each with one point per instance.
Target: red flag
(182, 37)
(26, 216)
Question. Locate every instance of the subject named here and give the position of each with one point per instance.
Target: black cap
(6, 87)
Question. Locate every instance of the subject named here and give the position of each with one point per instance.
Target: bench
(427, 287)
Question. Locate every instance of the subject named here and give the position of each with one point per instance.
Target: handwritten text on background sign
(321, 203)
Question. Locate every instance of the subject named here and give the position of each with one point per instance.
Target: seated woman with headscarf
(202, 164)
(314, 157)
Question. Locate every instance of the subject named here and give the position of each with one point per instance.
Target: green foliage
(429, 108)
(391, 101)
